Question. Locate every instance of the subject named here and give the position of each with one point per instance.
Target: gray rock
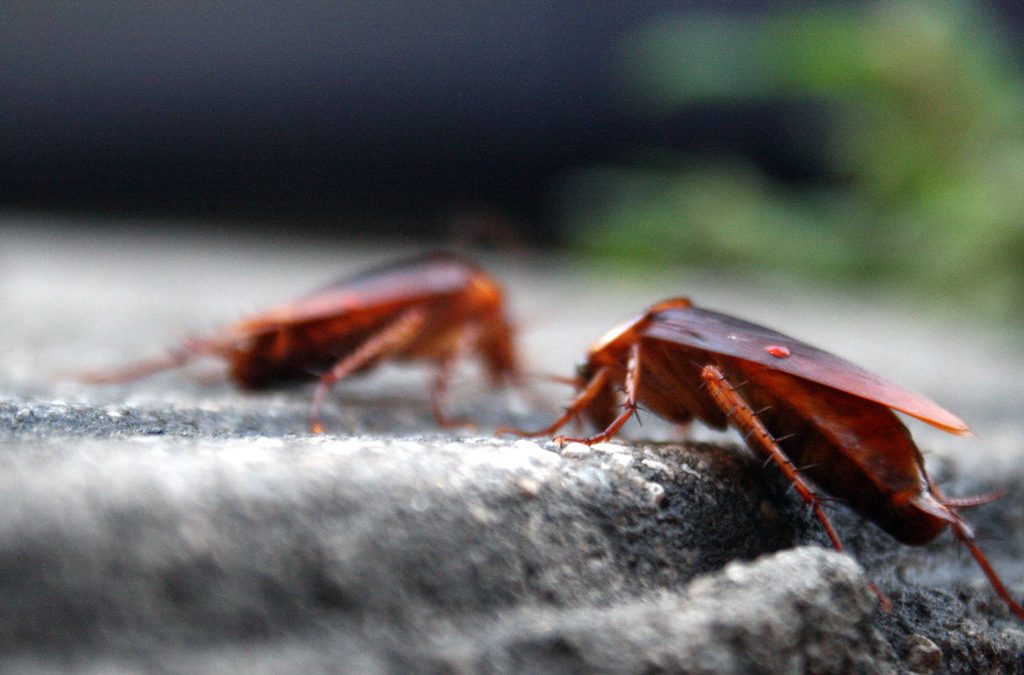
(177, 525)
(414, 554)
(819, 619)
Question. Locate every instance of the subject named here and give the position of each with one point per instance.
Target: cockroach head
(584, 371)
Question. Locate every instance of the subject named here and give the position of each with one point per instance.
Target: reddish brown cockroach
(796, 405)
(438, 307)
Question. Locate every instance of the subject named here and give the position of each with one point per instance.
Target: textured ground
(177, 525)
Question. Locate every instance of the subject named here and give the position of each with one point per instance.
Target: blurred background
(878, 144)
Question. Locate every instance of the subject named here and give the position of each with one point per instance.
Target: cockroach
(438, 308)
(815, 415)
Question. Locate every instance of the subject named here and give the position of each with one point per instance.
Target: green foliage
(925, 139)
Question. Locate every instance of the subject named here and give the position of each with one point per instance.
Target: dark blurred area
(401, 112)
(836, 140)
(272, 112)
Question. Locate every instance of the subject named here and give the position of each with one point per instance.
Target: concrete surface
(177, 525)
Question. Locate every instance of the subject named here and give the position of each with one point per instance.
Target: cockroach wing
(723, 334)
(395, 285)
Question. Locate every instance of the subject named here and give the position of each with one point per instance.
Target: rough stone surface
(177, 525)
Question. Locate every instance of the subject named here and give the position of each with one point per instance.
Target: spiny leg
(964, 533)
(582, 401)
(173, 358)
(630, 405)
(761, 440)
(390, 338)
(523, 384)
(439, 391)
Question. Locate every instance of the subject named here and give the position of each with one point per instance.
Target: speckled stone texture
(178, 525)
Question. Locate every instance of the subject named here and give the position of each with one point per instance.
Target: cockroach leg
(582, 401)
(758, 437)
(439, 391)
(964, 533)
(576, 382)
(390, 338)
(630, 405)
(173, 358)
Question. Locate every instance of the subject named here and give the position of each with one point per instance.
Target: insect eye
(583, 370)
